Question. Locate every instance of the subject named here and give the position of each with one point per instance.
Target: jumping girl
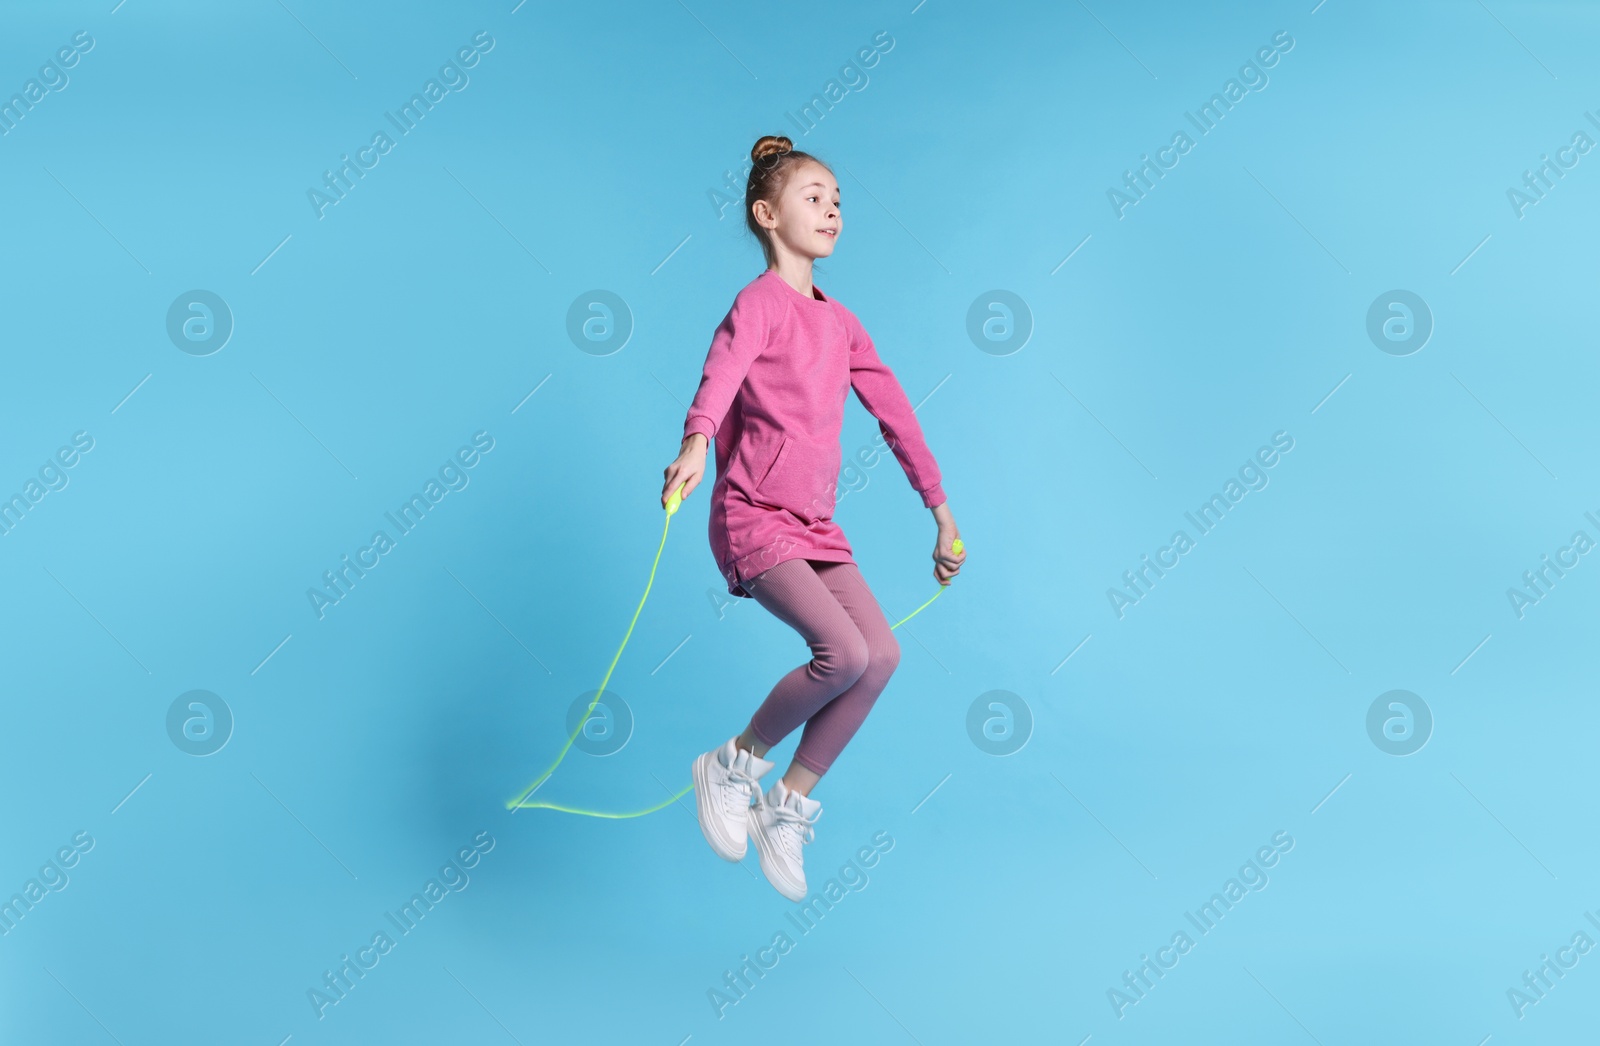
(772, 393)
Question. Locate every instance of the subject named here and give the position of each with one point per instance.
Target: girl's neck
(796, 273)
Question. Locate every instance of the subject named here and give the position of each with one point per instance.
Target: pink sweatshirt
(772, 395)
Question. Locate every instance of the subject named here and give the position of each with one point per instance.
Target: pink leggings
(854, 652)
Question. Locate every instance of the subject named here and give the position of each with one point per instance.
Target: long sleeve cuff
(701, 424)
(934, 496)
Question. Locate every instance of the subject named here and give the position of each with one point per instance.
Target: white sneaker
(724, 786)
(781, 823)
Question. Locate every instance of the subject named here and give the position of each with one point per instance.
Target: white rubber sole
(771, 865)
(710, 820)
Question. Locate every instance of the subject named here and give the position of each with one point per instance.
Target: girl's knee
(846, 659)
(885, 655)
(878, 656)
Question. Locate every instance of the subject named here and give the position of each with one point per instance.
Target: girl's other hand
(946, 563)
(687, 468)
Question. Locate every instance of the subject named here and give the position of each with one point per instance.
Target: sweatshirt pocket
(754, 458)
(801, 480)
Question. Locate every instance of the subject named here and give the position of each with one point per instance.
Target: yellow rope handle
(520, 802)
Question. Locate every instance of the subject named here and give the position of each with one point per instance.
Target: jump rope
(521, 801)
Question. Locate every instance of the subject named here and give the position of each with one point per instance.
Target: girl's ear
(763, 213)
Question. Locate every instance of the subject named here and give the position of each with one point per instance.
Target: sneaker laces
(739, 783)
(797, 835)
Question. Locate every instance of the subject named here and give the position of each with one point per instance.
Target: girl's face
(807, 222)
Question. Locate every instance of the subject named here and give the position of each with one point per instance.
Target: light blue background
(1230, 703)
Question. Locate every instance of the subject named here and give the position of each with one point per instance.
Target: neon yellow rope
(520, 802)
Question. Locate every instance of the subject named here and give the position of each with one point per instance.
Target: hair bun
(770, 146)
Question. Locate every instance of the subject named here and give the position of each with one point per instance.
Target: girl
(772, 393)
